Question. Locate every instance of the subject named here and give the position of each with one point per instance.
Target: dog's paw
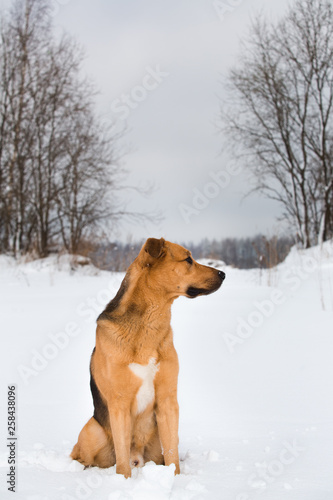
(125, 470)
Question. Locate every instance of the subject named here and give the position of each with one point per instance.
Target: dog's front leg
(121, 432)
(167, 410)
(167, 415)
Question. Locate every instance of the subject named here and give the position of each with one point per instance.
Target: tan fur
(134, 328)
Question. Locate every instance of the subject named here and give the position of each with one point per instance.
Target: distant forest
(244, 253)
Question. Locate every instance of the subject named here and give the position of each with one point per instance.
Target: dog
(134, 365)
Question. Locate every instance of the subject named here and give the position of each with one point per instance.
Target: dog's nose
(221, 275)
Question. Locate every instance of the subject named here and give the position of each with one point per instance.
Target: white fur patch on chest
(146, 393)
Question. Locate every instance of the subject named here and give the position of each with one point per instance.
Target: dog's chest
(146, 392)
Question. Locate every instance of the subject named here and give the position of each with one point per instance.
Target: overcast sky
(158, 66)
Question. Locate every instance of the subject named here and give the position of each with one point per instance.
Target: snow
(255, 383)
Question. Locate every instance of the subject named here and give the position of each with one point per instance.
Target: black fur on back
(101, 412)
(114, 303)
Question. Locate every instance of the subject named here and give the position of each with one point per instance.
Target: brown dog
(134, 366)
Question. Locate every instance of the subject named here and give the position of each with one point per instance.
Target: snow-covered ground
(255, 384)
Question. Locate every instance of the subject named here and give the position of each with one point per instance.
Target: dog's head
(171, 269)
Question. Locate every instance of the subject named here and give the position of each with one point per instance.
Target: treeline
(243, 253)
(278, 114)
(246, 253)
(57, 163)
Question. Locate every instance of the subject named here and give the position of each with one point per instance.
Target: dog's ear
(154, 247)
(151, 250)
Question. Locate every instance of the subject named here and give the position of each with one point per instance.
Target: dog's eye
(189, 260)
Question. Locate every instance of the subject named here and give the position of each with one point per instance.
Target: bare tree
(58, 172)
(278, 114)
(88, 183)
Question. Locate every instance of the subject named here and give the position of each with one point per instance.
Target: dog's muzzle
(193, 291)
